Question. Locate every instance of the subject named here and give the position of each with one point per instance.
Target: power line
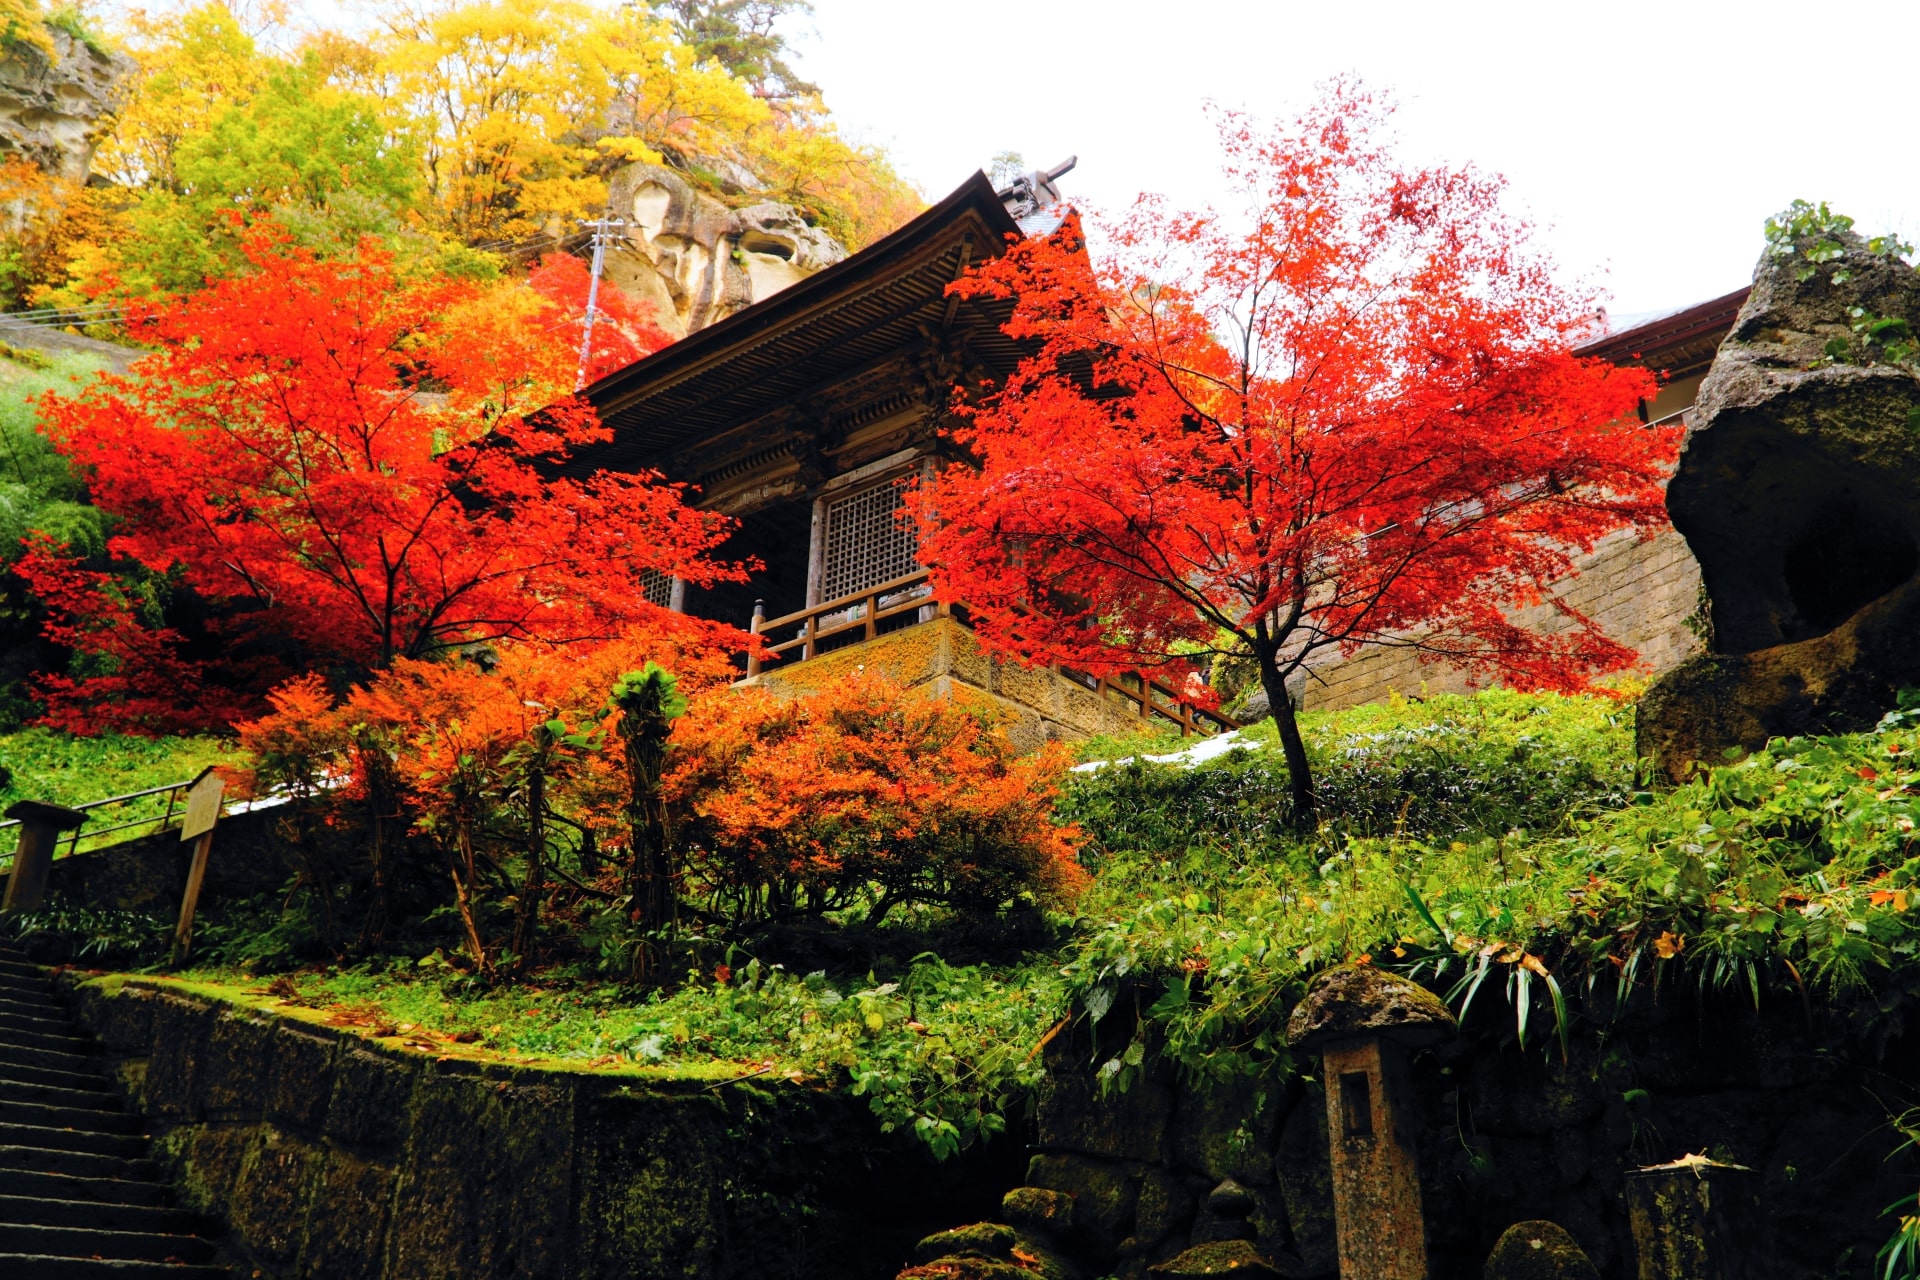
(605, 230)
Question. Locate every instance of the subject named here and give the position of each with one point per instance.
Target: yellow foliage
(193, 65)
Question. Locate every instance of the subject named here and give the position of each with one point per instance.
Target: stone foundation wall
(1504, 1136)
(1646, 595)
(333, 1156)
(943, 656)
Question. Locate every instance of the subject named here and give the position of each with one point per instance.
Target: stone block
(1227, 1130)
(227, 1085)
(181, 1028)
(367, 1107)
(1074, 1115)
(204, 1164)
(1105, 1196)
(1038, 1210)
(349, 1212)
(652, 1178)
(485, 1186)
(1304, 1173)
(267, 1206)
(299, 1079)
(1165, 1208)
(1516, 1093)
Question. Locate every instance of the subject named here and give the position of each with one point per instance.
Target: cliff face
(698, 261)
(54, 111)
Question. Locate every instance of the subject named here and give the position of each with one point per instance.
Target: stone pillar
(1363, 1022)
(40, 828)
(1696, 1219)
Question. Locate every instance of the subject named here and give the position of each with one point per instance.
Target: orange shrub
(865, 790)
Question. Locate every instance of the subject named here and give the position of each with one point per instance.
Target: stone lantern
(1363, 1022)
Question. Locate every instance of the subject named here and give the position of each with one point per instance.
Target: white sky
(1648, 141)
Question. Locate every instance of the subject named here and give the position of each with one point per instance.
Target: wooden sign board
(203, 804)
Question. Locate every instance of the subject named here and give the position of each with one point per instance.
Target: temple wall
(1646, 595)
(942, 656)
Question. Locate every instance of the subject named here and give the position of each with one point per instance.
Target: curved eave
(825, 328)
(1677, 344)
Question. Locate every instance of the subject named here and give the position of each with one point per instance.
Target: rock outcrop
(55, 110)
(1799, 492)
(1539, 1250)
(698, 261)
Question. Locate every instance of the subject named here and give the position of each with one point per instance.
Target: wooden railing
(1155, 699)
(871, 614)
(864, 613)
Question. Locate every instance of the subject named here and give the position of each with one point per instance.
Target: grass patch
(44, 764)
(941, 1050)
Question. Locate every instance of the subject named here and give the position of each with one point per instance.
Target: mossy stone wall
(331, 1156)
(1505, 1136)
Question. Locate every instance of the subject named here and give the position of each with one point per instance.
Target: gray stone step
(89, 1242)
(47, 1024)
(39, 1266)
(93, 1215)
(46, 1116)
(65, 1186)
(130, 1145)
(81, 1081)
(82, 1164)
(59, 1043)
(53, 1059)
(14, 1000)
(16, 1090)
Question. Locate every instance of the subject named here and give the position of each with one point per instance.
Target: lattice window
(657, 587)
(866, 542)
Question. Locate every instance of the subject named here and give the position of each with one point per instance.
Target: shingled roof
(824, 331)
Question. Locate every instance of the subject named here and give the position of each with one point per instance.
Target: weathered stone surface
(348, 1213)
(228, 1083)
(1539, 1250)
(181, 1030)
(1799, 493)
(980, 1240)
(1104, 1193)
(697, 261)
(267, 1204)
(1355, 1001)
(1227, 1130)
(1235, 1258)
(367, 1109)
(1305, 1175)
(1038, 1210)
(486, 1178)
(299, 1078)
(1696, 1219)
(55, 110)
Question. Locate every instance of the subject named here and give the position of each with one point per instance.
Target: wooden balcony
(902, 602)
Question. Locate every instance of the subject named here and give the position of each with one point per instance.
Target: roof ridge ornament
(1034, 194)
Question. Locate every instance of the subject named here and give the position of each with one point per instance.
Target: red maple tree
(1345, 415)
(371, 463)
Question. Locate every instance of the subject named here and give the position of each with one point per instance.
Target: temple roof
(775, 357)
(1675, 342)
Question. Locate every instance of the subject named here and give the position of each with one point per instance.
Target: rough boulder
(54, 111)
(1799, 492)
(696, 260)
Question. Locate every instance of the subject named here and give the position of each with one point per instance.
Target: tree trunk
(463, 895)
(527, 917)
(650, 878)
(1292, 746)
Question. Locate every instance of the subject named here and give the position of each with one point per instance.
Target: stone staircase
(78, 1196)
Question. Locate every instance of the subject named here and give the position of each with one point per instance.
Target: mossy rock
(1236, 1258)
(1539, 1250)
(980, 1240)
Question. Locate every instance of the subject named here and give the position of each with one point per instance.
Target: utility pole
(605, 230)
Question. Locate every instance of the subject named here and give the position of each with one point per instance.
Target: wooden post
(873, 604)
(759, 616)
(203, 813)
(1696, 1219)
(40, 828)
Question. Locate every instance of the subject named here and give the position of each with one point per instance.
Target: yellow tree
(194, 65)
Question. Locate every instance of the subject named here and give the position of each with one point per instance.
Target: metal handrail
(172, 791)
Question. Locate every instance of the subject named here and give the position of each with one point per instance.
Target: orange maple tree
(375, 465)
(1346, 414)
(863, 791)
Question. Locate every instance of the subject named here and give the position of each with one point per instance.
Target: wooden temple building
(800, 416)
